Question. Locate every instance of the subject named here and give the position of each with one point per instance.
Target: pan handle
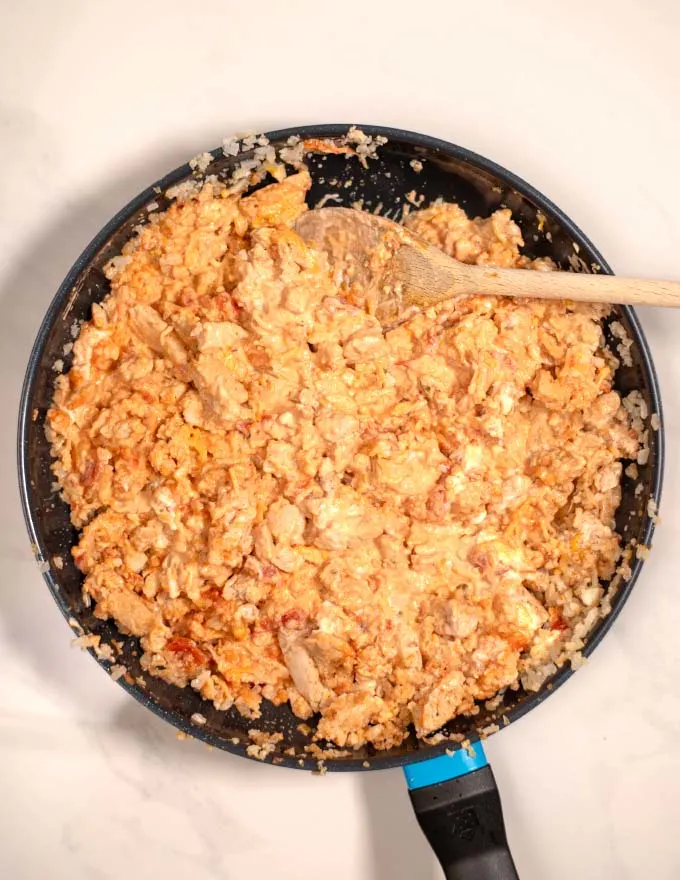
(459, 810)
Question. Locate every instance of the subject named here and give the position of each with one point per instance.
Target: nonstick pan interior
(385, 186)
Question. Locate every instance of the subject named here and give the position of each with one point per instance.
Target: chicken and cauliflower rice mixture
(285, 501)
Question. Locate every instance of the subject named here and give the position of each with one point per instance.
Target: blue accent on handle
(435, 770)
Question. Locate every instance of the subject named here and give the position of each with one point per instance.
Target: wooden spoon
(403, 270)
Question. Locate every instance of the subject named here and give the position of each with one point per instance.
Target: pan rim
(415, 139)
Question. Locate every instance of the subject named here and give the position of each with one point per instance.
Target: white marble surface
(99, 99)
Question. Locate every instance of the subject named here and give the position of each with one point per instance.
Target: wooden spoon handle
(576, 286)
(431, 276)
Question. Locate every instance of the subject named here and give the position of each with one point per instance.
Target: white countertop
(97, 101)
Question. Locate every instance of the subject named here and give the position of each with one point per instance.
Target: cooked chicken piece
(333, 657)
(336, 427)
(444, 701)
(492, 666)
(267, 550)
(299, 705)
(434, 374)
(409, 647)
(242, 661)
(134, 614)
(303, 670)
(519, 614)
(410, 471)
(286, 522)
(456, 618)
(218, 334)
(159, 336)
(220, 389)
(279, 204)
(365, 345)
(342, 519)
(88, 341)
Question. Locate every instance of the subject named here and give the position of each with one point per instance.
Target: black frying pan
(461, 816)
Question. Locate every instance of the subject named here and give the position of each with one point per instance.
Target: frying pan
(453, 792)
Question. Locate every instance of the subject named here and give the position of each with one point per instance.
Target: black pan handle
(457, 805)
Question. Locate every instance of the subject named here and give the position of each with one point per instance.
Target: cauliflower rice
(286, 502)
